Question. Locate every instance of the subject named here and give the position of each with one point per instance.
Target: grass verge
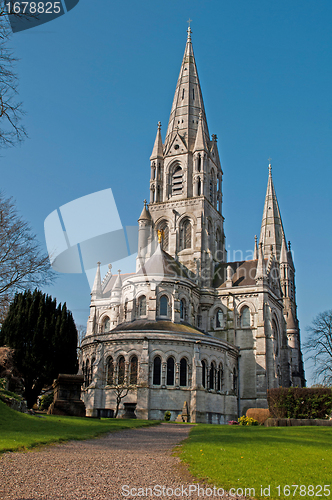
(19, 431)
(257, 458)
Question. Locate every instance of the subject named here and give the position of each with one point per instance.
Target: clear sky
(96, 81)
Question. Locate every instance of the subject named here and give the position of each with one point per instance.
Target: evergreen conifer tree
(44, 337)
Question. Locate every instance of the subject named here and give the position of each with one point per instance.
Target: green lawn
(255, 457)
(20, 431)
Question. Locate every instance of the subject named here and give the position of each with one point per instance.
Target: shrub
(167, 416)
(259, 414)
(247, 421)
(233, 422)
(295, 402)
(46, 401)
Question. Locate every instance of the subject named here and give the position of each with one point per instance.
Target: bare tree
(11, 130)
(81, 332)
(319, 347)
(22, 264)
(121, 391)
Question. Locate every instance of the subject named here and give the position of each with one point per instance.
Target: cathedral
(189, 329)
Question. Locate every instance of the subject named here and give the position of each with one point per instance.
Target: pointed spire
(283, 253)
(145, 215)
(256, 248)
(187, 102)
(261, 270)
(272, 231)
(118, 282)
(157, 151)
(200, 142)
(96, 289)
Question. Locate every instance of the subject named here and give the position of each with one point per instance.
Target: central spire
(272, 231)
(187, 103)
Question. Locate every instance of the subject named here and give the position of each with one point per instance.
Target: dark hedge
(296, 402)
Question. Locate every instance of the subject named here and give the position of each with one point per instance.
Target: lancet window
(245, 317)
(157, 370)
(133, 370)
(185, 235)
(177, 181)
(170, 371)
(142, 306)
(121, 370)
(183, 372)
(109, 371)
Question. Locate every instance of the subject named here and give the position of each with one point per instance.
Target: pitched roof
(163, 264)
(244, 273)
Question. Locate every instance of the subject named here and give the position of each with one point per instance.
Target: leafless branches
(11, 130)
(22, 265)
(319, 346)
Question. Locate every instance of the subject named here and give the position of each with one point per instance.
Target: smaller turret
(261, 270)
(157, 168)
(145, 237)
(96, 291)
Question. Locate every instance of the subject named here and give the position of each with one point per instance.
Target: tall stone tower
(273, 241)
(186, 183)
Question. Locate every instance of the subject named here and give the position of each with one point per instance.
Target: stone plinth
(67, 394)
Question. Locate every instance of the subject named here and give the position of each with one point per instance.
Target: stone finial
(159, 125)
(189, 29)
(256, 248)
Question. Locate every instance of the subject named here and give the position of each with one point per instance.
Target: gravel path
(98, 469)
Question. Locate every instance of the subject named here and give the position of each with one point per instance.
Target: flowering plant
(247, 421)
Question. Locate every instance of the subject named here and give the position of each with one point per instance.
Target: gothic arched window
(183, 372)
(210, 235)
(199, 187)
(142, 306)
(235, 381)
(275, 335)
(183, 312)
(93, 362)
(199, 162)
(170, 371)
(133, 370)
(84, 374)
(163, 306)
(219, 318)
(185, 235)
(218, 239)
(125, 310)
(106, 325)
(87, 373)
(203, 374)
(177, 181)
(219, 377)
(110, 371)
(245, 317)
(212, 376)
(156, 370)
(165, 239)
(212, 187)
(121, 370)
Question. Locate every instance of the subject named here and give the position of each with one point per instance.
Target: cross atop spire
(189, 29)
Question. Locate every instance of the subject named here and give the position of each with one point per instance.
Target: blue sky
(96, 81)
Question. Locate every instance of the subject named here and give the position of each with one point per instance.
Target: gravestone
(67, 394)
